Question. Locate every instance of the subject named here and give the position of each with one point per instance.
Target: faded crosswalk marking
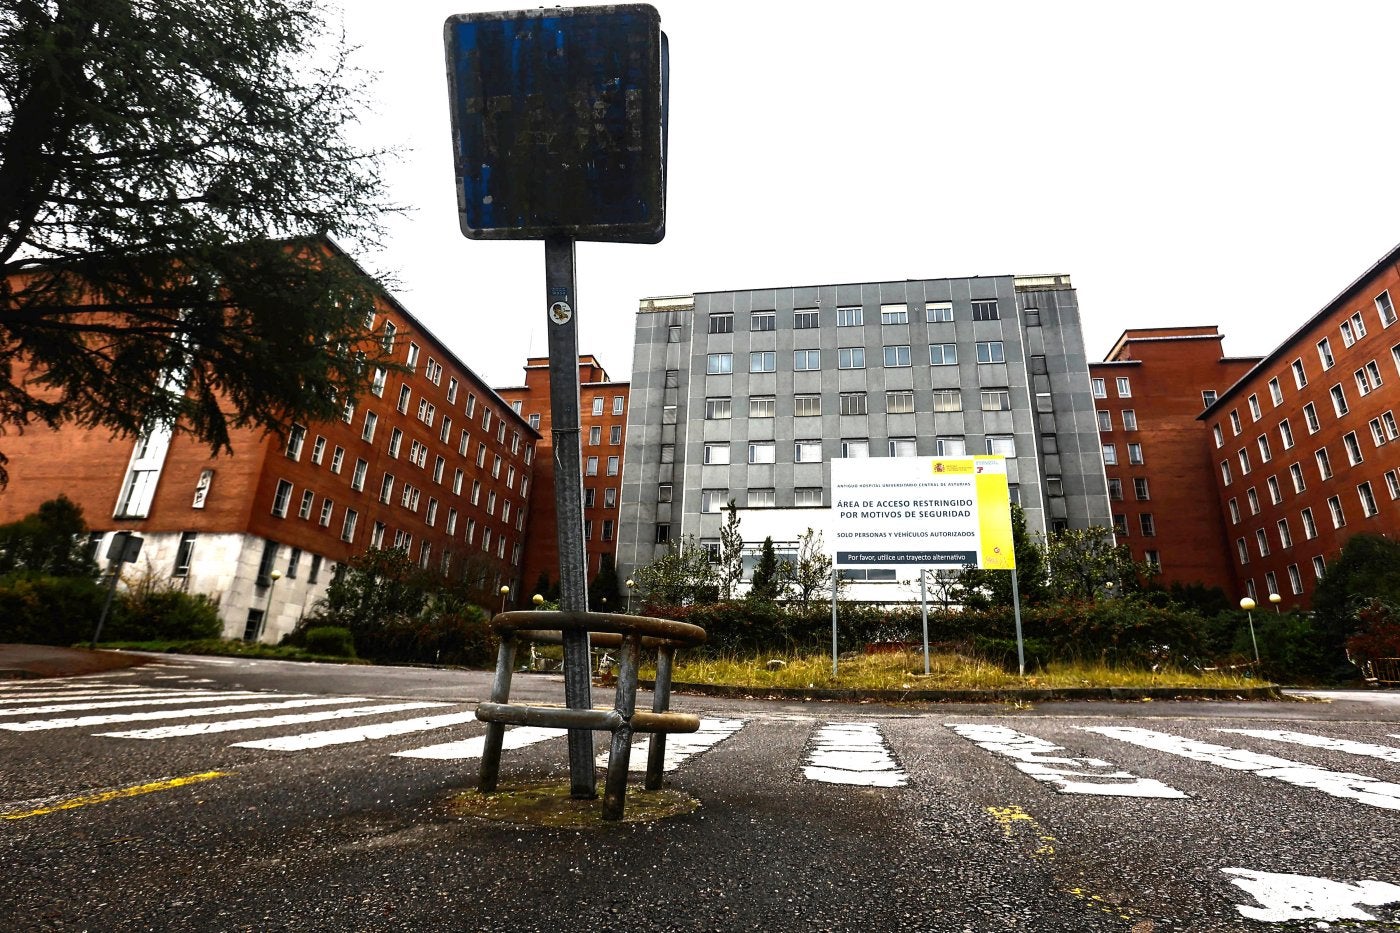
(853, 753)
(1070, 775)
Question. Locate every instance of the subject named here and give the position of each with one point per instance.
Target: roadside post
(559, 134)
(939, 512)
(124, 549)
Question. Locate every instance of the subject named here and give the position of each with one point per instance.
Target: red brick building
(603, 422)
(1148, 393)
(1306, 446)
(432, 461)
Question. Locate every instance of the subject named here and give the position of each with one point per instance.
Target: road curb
(1021, 695)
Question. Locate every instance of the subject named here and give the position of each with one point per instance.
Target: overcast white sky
(1187, 163)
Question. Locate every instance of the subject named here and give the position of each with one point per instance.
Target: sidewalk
(21, 661)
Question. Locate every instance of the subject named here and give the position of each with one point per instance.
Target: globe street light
(274, 576)
(1247, 605)
(505, 591)
(1276, 599)
(538, 600)
(629, 584)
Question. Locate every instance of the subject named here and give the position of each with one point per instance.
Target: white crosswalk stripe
(853, 753)
(35, 725)
(1050, 763)
(519, 737)
(266, 722)
(1346, 785)
(681, 745)
(1366, 749)
(168, 699)
(294, 743)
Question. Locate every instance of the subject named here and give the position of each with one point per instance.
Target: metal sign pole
(568, 500)
(1016, 607)
(834, 572)
(923, 600)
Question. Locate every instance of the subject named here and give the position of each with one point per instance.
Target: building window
(1334, 506)
(853, 403)
(719, 364)
(990, 351)
(1275, 393)
(1353, 447)
(1368, 499)
(850, 358)
(1324, 463)
(1235, 426)
(897, 356)
(807, 452)
(1363, 382)
(1295, 471)
(307, 498)
(663, 492)
(1310, 417)
(1003, 445)
(1115, 488)
(762, 498)
(1120, 525)
(357, 478)
(1105, 419)
(985, 311)
(296, 437)
(938, 312)
(1300, 376)
(806, 360)
(1275, 493)
(722, 323)
(806, 319)
(1261, 541)
(1252, 498)
(1135, 453)
(763, 361)
(951, 447)
(943, 354)
(1265, 452)
(386, 488)
(1147, 524)
(761, 406)
(713, 500)
(850, 317)
(763, 320)
(1254, 411)
(1285, 432)
(947, 400)
(1319, 566)
(1234, 505)
(807, 497)
(595, 433)
(610, 497)
(1285, 537)
(761, 452)
(1242, 549)
(614, 465)
(1339, 400)
(663, 532)
(1110, 455)
(1225, 473)
(673, 333)
(1098, 388)
(1309, 525)
(855, 449)
(1124, 389)
(281, 498)
(1295, 580)
(591, 467)
(717, 409)
(1129, 420)
(996, 400)
(806, 406)
(1218, 434)
(327, 510)
(1140, 487)
(899, 402)
(894, 314)
(1324, 354)
(903, 447)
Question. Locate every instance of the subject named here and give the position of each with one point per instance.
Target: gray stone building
(748, 395)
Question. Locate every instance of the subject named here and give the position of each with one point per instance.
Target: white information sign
(927, 511)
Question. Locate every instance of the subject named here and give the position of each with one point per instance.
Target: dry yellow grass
(905, 671)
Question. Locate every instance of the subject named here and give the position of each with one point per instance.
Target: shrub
(151, 609)
(42, 610)
(330, 640)
(1380, 633)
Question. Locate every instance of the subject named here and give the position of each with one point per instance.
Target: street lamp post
(505, 591)
(1247, 605)
(538, 600)
(629, 584)
(1276, 599)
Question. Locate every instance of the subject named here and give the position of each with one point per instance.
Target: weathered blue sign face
(558, 123)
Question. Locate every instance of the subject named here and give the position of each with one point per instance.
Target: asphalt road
(198, 794)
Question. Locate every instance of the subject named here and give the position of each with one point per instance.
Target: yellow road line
(115, 794)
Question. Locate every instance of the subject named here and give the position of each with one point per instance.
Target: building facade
(431, 460)
(1306, 446)
(603, 424)
(1148, 392)
(748, 395)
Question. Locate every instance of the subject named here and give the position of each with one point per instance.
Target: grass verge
(947, 671)
(224, 647)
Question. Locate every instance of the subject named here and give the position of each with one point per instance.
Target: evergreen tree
(766, 585)
(170, 175)
(731, 553)
(52, 541)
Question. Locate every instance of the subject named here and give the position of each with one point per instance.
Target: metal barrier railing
(628, 634)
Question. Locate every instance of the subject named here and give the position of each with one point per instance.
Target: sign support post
(1016, 608)
(568, 499)
(834, 581)
(923, 600)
